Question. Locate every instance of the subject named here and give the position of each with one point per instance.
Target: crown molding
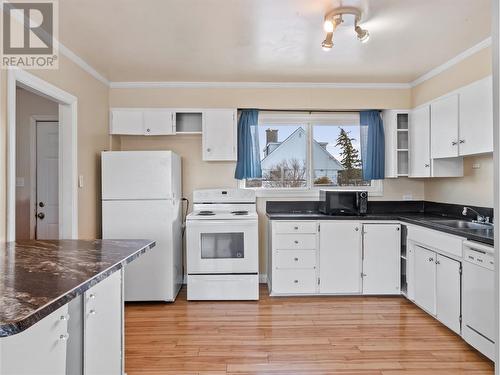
(453, 61)
(82, 64)
(257, 85)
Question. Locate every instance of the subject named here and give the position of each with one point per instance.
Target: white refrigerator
(141, 199)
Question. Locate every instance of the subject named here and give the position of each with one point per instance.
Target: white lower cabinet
(340, 257)
(40, 349)
(437, 283)
(103, 324)
(381, 258)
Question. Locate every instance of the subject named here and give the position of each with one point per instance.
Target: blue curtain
(248, 165)
(372, 145)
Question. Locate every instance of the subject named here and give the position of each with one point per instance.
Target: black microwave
(343, 202)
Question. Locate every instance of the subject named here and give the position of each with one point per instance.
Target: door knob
(41, 204)
(41, 215)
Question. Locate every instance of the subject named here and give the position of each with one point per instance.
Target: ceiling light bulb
(363, 35)
(328, 42)
(328, 26)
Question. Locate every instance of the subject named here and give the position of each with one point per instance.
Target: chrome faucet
(480, 218)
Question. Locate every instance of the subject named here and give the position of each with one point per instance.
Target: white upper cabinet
(136, 121)
(219, 136)
(159, 122)
(126, 121)
(444, 127)
(420, 126)
(396, 142)
(476, 118)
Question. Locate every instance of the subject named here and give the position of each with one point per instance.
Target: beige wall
(92, 138)
(476, 187)
(27, 105)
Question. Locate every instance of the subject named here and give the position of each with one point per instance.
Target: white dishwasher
(478, 297)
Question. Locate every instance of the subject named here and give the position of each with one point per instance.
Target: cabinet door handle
(91, 296)
(438, 262)
(92, 312)
(64, 317)
(64, 337)
(426, 165)
(462, 141)
(431, 259)
(454, 143)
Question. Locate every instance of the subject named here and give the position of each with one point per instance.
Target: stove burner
(206, 213)
(239, 213)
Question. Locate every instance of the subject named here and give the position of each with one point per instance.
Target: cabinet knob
(296, 242)
(426, 165)
(148, 130)
(64, 337)
(91, 296)
(64, 317)
(454, 143)
(438, 262)
(296, 281)
(356, 229)
(296, 259)
(296, 228)
(92, 312)
(209, 149)
(431, 259)
(462, 141)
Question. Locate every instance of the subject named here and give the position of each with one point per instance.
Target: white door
(476, 118)
(340, 257)
(444, 127)
(381, 258)
(419, 139)
(103, 327)
(151, 276)
(40, 349)
(219, 134)
(425, 279)
(448, 286)
(47, 180)
(159, 122)
(126, 121)
(137, 175)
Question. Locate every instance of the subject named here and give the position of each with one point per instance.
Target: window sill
(377, 190)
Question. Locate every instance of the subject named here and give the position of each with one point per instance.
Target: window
(308, 152)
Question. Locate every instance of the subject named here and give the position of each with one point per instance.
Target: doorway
(50, 209)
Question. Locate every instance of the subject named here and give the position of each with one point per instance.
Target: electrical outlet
(476, 166)
(407, 197)
(80, 181)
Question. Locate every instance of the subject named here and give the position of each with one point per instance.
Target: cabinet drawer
(296, 227)
(295, 259)
(436, 240)
(295, 241)
(294, 281)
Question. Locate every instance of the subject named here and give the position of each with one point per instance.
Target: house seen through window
(291, 158)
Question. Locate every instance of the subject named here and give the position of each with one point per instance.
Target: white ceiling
(267, 40)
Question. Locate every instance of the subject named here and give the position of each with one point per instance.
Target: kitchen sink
(463, 224)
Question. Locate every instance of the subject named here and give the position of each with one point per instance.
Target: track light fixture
(334, 18)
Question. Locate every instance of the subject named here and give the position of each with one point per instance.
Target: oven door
(215, 246)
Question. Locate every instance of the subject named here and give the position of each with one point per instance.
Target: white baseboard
(262, 278)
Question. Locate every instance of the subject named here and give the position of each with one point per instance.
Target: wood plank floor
(300, 335)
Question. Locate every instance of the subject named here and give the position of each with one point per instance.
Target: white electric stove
(222, 246)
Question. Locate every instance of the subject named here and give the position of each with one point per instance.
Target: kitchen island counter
(38, 277)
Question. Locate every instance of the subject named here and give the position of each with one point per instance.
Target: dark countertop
(38, 277)
(422, 219)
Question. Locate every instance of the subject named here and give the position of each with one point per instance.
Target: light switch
(20, 182)
(80, 181)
